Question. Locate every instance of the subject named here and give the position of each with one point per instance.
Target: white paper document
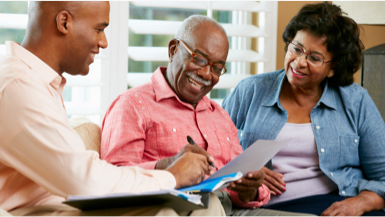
(252, 159)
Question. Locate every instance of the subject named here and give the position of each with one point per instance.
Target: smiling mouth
(195, 83)
(297, 73)
(93, 56)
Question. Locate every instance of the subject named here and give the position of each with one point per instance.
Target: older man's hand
(189, 169)
(164, 163)
(247, 187)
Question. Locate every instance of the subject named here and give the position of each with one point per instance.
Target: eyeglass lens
(311, 58)
(217, 69)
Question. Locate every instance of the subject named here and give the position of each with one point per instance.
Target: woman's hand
(247, 187)
(274, 181)
(366, 201)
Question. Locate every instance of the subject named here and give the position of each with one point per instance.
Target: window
(152, 24)
(138, 37)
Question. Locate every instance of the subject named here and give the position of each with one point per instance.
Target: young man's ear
(172, 48)
(63, 21)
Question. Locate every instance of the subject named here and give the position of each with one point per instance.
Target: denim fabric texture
(348, 129)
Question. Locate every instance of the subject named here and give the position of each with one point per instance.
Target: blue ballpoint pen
(191, 142)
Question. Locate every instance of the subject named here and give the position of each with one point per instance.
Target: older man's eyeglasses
(215, 68)
(313, 59)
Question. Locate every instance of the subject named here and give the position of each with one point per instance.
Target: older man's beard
(199, 79)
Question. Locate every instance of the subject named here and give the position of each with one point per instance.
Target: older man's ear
(172, 48)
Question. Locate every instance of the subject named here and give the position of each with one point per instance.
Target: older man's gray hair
(189, 25)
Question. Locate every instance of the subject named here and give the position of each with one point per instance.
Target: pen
(191, 142)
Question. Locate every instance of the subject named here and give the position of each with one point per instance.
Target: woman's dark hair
(342, 38)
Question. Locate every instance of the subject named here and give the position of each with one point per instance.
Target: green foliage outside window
(13, 7)
(169, 14)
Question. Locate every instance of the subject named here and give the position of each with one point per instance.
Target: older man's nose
(205, 72)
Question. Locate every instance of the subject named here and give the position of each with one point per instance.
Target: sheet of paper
(253, 158)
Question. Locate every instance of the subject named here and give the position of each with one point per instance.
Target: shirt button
(317, 127)
(322, 150)
(228, 139)
(136, 95)
(331, 173)
(205, 136)
(174, 130)
(140, 101)
(142, 108)
(241, 134)
(342, 192)
(356, 140)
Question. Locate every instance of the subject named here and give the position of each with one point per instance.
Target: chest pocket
(170, 140)
(349, 151)
(224, 149)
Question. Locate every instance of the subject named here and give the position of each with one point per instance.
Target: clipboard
(169, 198)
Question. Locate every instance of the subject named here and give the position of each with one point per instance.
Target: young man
(42, 160)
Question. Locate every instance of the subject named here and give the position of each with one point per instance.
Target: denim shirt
(348, 129)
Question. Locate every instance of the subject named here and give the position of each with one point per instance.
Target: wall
(371, 35)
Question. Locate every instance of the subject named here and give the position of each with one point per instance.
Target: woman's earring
(331, 73)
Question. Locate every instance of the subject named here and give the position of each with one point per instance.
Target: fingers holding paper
(189, 169)
(247, 187)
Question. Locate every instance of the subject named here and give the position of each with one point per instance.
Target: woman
(334, 163)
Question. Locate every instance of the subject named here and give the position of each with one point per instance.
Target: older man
(42, 160)
(147, 126)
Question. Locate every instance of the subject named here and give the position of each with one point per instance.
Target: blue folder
(215, 184)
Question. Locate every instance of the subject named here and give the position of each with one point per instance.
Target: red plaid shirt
(149, 123)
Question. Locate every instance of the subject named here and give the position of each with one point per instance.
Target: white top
(299, 163)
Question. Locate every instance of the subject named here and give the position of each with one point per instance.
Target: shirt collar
(327, 98)
(273, 97)
(33, 62)
(163, 91)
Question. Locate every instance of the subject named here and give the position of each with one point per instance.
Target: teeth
(297, 73)
(92, 54)
(194, 83)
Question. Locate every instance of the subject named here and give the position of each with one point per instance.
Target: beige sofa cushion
(88, 131)
(90, 134)
(4, 213)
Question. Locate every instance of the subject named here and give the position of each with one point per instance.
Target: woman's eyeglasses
(313, 59)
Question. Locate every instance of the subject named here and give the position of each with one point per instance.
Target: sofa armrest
(88, 131)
